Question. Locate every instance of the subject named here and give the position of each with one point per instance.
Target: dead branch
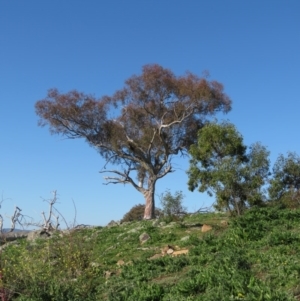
(1, 223)
(75, 216)
(47, 221)
(125, 178)
(15, 219)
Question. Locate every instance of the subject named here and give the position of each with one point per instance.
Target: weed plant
(252, 257)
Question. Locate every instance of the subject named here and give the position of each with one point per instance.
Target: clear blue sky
(252, 47)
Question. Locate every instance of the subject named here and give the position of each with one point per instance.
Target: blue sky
(252, 47)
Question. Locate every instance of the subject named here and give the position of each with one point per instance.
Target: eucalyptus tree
(141, 127)
(222, 166)
(285, 183)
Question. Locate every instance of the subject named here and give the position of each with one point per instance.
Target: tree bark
(237, 205)
(149, 200)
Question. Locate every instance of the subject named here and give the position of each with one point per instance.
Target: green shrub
(136, 213)
(172, 207)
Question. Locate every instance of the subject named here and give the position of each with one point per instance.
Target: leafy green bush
(136, 213)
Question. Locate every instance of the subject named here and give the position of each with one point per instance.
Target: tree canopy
(140, 127)
(222, 166)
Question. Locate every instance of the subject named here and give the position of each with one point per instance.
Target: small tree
(172, 205)
(220, 165)
(141, 127)
(285, 184)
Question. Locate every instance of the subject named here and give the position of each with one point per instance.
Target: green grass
(254, 257)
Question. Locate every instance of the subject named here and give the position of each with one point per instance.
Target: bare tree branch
(125, 179)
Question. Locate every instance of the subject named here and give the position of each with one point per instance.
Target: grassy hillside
(255, 257)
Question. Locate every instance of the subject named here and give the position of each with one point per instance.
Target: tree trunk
(149, 200)
(237, 201)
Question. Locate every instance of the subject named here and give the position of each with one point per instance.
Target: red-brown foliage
(155, 116)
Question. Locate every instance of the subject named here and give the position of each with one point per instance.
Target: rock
(206, 228)
(167, 250)
(185, 238)
(11, 236)
(120, 262)
(144, 237)
(170, 251)
(180, 252)
(38, 234)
